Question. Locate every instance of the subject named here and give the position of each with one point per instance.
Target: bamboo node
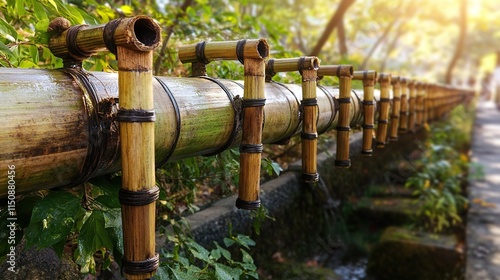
(141, 267)
(135, 115)
(247, 205)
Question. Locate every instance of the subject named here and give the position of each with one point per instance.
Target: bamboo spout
(396, 107)
(79, 42)
(404, 113)
(384, 80)
(308, 67)
(369, 78)
(344, 72)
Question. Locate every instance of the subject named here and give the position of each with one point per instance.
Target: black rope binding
(138, 198)
(200, 52)
(135, 115)
(103, 132)
(141, 267)
(246, 103)
(309, 177)
(108, 35)
(240, 50)
(251, 148)
(247, 205)
(71, 44)
(177, 119)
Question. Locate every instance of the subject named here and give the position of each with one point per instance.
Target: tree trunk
(334, 21)
(460, 43)
(168, 34)
(342, 39)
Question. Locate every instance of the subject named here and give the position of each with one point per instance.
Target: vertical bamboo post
(307, 66)
(384, 106)
(396, 107)
(412, 120)
(345, 75)
(251, 53)
(419, 87)
(133, 41)
(403, 118)
(369, 78)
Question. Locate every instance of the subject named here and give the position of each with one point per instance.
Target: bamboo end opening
(263, 48)
(146, 33)
(384, 78)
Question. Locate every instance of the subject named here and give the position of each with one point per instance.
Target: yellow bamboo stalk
(224, 50)
(133, 41)
(396, 108)
(343, 129)
(403, 118)
(307, 66)
(369, 78)
(413, 106)
(82, 41)
(384, 80)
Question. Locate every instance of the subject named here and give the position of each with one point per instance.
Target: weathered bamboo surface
(55, 134)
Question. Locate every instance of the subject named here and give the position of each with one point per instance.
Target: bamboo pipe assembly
(251, 53)
(385, 101)
(420, 89)
(73, 133)
(404, 113)
(369, 77)
(307, 66)
(60, 128)
(396, 108)
(133, 41)
(344, 73)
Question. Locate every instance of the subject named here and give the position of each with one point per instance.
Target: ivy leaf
(113, 225)
(52, 219)
(110, 188)
(198, 251)
(93, 237)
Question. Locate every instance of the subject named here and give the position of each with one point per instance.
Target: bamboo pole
(369, 78)
(384, 80)
(133, 41)
(307, 66)
(136, 116)
(251, 53)
(396, 108)
(419, 88)
(403, 118)
(50, 130)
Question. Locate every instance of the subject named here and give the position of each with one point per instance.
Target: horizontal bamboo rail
(60, 128)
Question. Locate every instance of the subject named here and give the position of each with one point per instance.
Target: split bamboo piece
(133, 41)
(396, 108)
(369, 77)
(384, 80)
(403, 113)
(251, 53)
(344, 73)
(307, 66)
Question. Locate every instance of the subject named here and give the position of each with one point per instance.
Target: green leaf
(52, 219)
(5, 50)
(7, 31)
(110, 187)
(93, 237)
(228, 242)
(226, 273)
(198, 251)
(223, 251)
(113, 225)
